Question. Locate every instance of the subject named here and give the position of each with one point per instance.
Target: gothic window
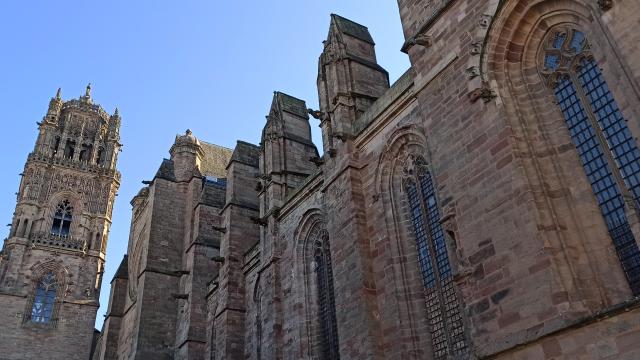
(258, 319)
(25, 225)
(85, 152)
(69, 149)
(607, 150)
(443, 309)
(100, 156)
(56, 144)
(326, 300)
(44, 299)
(62, 219)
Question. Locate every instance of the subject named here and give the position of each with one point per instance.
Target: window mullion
(436, 270)
(615, 170)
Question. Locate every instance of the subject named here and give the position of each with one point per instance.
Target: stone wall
(534, 271)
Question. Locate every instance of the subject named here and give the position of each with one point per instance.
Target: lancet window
(443, 309)
(328, 328)
(608, 152)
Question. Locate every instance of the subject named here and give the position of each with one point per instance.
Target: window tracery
(607, 150)
(443, 308)
(44, 299)
(62, 218)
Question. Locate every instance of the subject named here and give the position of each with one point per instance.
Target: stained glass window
(44, 299)
(62, 219)
(326, 299)
(443, 308)
(607, 150)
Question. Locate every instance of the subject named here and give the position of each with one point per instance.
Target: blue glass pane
(559, 39)
(552, 61)
(577, 42)
(591, 152)
(428, 274)
(44, 299)
(449, 301)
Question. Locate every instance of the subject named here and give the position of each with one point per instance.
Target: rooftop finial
(88, 92)
(59, 94)
(188, 132)
(116, 112)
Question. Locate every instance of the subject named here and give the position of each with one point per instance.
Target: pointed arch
(257, 300)
(415, 237)
(547, 157)
(315, 270)
(49, 286)
(388, 184)
(64, 210)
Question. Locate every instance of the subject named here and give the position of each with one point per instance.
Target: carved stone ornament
(485, 20)
(605, 4)
(421, 39)
(473, 72)
(484, 93)
(412, 166)
(409, 166)
(476, 47)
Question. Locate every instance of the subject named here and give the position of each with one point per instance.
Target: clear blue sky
(210, 66)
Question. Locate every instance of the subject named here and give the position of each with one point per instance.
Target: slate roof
(351, 28)
(166, 170)
(123, 269)
(246, 153)
(215, 160)
(291, 104)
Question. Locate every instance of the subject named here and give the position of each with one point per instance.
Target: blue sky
(210, 66)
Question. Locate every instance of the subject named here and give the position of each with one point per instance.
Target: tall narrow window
(443, 309)
(607, 150)
(62, 219)
(44, 299)
(56, 144)
(326, 299)
(85, 152)
(100, 156)
(69, 149)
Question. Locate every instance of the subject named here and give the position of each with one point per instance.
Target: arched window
(62, 219)
(56, 144)
(85, 152)
(326, 300)
(44, 299)
(100, 156)
(69, 149)
(607, 150)
(443, 309)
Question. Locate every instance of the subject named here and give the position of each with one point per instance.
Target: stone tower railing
(60, 241)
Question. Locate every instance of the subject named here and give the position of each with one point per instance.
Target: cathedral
(483, 206)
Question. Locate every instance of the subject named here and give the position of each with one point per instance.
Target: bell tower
(52, 262)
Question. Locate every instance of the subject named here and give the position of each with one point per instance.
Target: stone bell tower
(51, 264)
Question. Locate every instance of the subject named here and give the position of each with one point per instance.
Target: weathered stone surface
(236, 268)
(74, 165)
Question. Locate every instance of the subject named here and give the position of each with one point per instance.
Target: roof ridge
(216, 145)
